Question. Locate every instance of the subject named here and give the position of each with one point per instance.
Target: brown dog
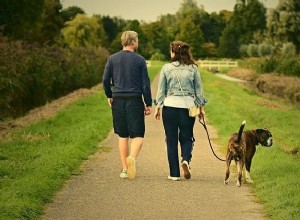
(241, 148)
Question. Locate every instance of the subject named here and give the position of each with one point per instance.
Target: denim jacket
(190, 80)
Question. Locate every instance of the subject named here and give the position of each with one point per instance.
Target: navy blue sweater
(127, 72)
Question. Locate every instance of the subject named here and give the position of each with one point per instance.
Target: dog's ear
(258, 131)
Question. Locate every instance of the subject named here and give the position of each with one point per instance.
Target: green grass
(275, 170)
(154, 68)
(41, 157)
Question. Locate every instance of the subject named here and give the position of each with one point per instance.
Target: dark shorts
(128, 116)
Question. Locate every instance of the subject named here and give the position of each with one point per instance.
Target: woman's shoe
(186, 169)
(173, 178)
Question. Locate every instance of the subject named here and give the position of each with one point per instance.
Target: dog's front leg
(228, 161)
(240, 165)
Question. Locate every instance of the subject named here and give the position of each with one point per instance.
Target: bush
(264, 49)
(282, 65)
(252, 50)
(288, 49)
(31, 76)
(158, 56)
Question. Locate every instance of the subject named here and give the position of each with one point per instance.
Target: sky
(149, 11)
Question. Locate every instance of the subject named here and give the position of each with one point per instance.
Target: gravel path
(99, 193)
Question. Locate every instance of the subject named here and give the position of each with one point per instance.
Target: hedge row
(283, 65)
(31, 76)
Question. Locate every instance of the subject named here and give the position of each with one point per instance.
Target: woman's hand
(157, 113)
(202, 114)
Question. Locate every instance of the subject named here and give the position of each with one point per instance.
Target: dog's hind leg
(228, 161)
(248, 166)
(240, 166)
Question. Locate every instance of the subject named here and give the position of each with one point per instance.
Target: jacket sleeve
(107, 79)
(198, 87)
(161, 90)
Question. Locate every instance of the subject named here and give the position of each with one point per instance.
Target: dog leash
(212, 149)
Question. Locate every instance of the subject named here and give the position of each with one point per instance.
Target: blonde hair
(127, 37)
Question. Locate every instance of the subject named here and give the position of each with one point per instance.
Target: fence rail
(216, 64)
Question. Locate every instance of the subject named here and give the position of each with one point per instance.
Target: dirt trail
(99, 193)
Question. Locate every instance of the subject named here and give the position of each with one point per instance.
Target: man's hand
(148, 110)
(110, 101)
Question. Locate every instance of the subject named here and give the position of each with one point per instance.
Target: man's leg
(136, 145)
(124, 150)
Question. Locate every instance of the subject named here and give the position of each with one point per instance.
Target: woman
(179, 88)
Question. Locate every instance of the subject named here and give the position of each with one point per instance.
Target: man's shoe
(130, 160)
(174, 178)
(124, 174)
(186, 169)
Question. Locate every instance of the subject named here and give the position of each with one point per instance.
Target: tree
(189, 21)
(213, 27)
(49, 23)
(158, 39)
(249, 19)
(283, 23)
(19, 17)
(191, 34)
(82, 31)
(113, 27)
(70, 13)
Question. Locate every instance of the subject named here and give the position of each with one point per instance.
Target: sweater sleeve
(107, 79)
(146, 85)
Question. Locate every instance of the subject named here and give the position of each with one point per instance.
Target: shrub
(31, 75)
(288, 49)
(264, 49)
(243, 50)
(158, 56)
(252, 50)
(282, 65)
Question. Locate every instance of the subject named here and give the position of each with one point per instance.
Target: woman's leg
(186, 134)
(170, 122)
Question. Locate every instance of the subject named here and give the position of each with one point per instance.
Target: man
(130, 99)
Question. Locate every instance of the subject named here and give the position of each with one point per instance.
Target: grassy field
(37, 160)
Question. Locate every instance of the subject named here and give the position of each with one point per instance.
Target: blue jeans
(178, 127)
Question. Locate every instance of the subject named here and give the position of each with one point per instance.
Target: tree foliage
(249, 18)
(82, 31)
(70, 13)
(20, 17)
(283, 23)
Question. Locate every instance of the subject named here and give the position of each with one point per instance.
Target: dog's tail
(241, 131)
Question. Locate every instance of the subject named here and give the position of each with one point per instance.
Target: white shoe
(186, 169)
(173, 178)
(124, 174)
(130, 160)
